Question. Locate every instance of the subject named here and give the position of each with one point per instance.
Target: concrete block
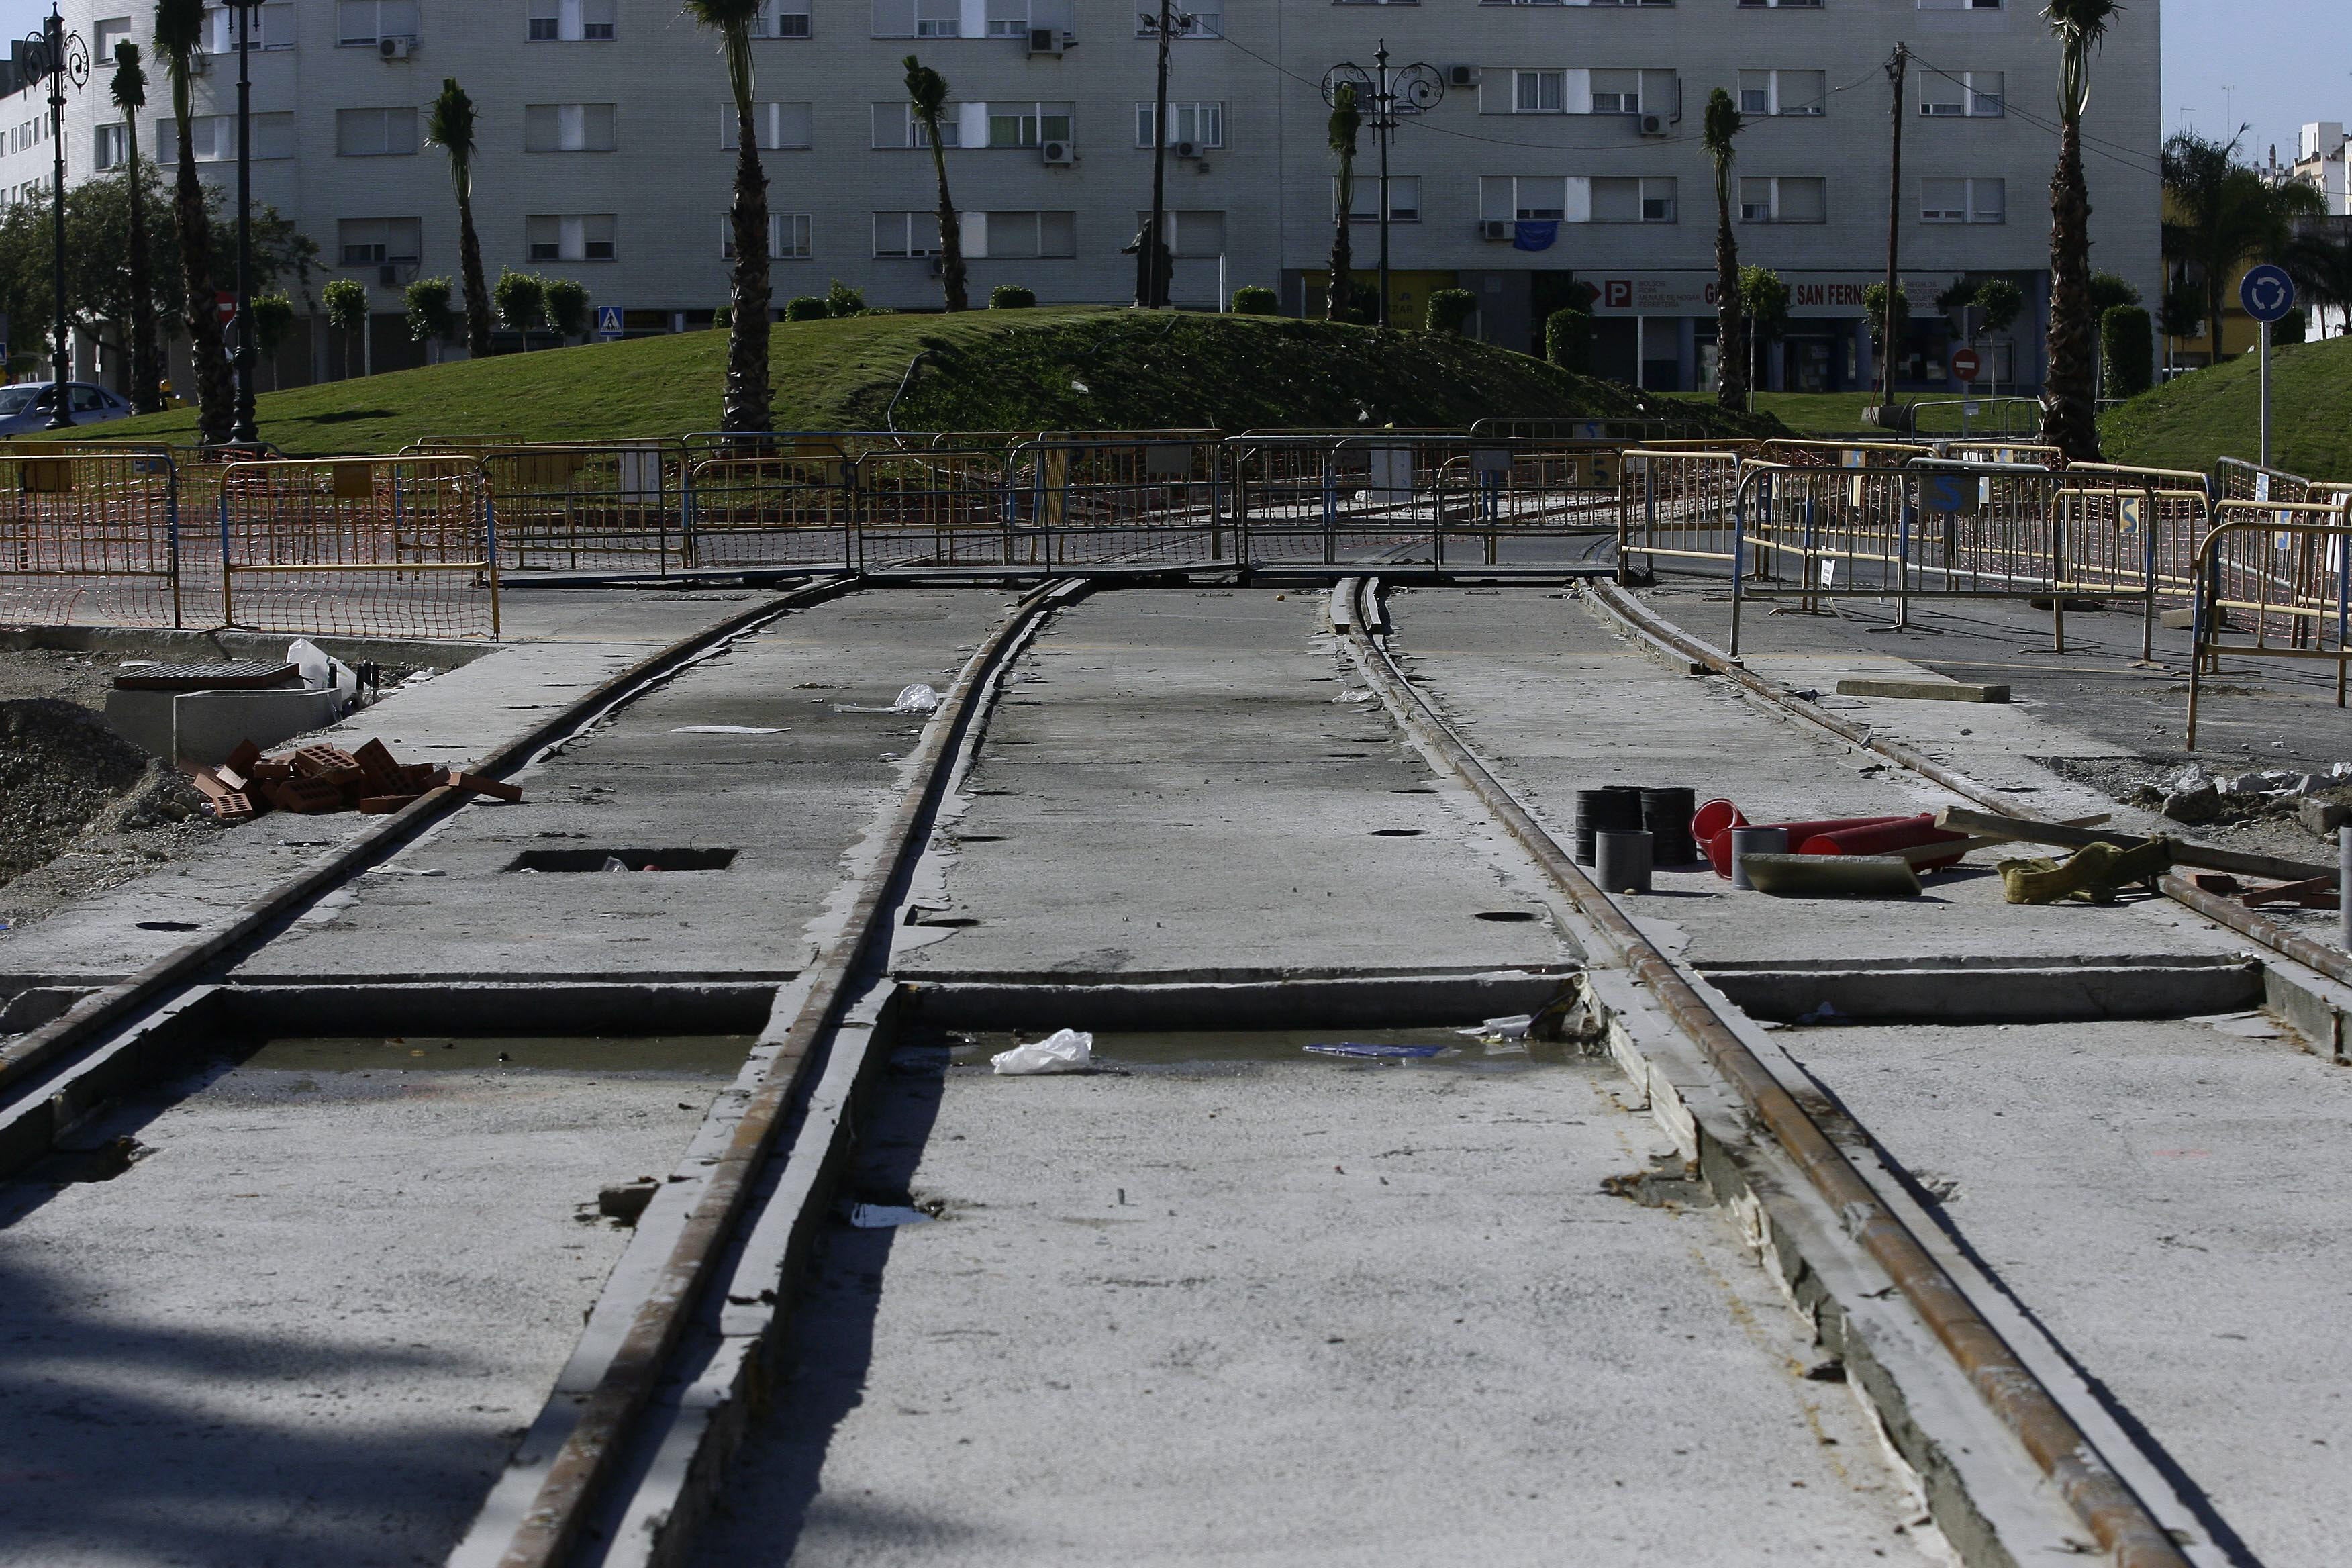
(2323, 817)
(1924, 690)
(201, 729)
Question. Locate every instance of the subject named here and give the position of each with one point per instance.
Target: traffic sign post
(608, 323)
(1965, 364)
(2268, 294)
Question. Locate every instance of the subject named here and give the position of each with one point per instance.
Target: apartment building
(1564, 150)
(2320, 159)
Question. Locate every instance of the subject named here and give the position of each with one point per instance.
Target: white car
(25, 407)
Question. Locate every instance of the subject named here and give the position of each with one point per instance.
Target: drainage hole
(1506, 914)
(623, 861)
(981, 837)
(1397, 832)
(1413, 789)
(167, 925)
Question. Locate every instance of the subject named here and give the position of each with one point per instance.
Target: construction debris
(1992, 824)
(2093, 873)
(319, 778)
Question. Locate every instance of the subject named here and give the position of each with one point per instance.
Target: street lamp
(1407, 89)
(242, 429)
(64, 60)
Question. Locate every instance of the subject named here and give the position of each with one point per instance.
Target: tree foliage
(431, 317)
(1450, 310)
(567, 307)
(2222, 214)
(522, 301)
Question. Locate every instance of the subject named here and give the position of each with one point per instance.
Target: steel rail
(1647, 624)
(25, 1061)
(2114, 1514)
(553, 1527)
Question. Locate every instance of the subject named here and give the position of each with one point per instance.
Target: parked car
(25, 408)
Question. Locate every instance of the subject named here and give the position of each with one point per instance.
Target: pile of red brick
(321, 778)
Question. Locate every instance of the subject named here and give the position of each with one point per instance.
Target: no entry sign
(1965, 364)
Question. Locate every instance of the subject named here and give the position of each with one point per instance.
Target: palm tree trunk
(1730, 370)
(746, 406)
(2069, 416)
(1338, 300)
(2213, 314)
(215, 392)
(146, 359)
(950, 233)
(469, 265)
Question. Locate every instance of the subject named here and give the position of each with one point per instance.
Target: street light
(1407, 89)
(61, 58)
(242, 429)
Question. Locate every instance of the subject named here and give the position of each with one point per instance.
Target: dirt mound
(63, 773)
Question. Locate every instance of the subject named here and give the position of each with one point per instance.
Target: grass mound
(2216, 413)
(1067, 368)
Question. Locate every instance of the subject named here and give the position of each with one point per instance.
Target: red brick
(385, 804)
(307, 795)
(234, 806)
(475, 783)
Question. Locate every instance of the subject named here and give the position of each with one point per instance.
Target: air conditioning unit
(1493, 228)
(388, 276)
(1057, 153)
(395, 48)
(1044, 40)
(1188, 149)
(1460, 76)
(1653, 125)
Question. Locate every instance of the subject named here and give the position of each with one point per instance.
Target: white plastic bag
(916, 698)
(1063, 1050)
(311, 662)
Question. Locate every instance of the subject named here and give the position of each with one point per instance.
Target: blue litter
(1376, 1052)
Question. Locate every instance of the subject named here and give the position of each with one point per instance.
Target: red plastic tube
(1718, 847)
(1910, 833)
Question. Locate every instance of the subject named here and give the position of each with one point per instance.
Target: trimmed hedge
(1568, 340)
(1012, 297)
(1254, 301)
(806, 308)
(2127, 345)
(1450, 310)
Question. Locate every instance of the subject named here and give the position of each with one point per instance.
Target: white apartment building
(1565, 151)
(2320, 159)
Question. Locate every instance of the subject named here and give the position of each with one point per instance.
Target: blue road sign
(2266, 293)
(608, 321)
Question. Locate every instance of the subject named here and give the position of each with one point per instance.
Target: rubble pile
(2195, 796)
(322, 778)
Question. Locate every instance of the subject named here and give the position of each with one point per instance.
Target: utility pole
(1151, 281)
(1895, 68)
(242, 428)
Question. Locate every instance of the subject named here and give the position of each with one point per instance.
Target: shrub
(1012, 297)
(2127, 345)
(430, 314)
(722, 318)
(2108, 291)
(1450, 310)
(521, 299)
(1568, 340)
(2289, 328)
(841, 300)
(1254, 301)
(567, 307)
(1874, 312)
(273, 318)
(806, 308)
(2003, 302)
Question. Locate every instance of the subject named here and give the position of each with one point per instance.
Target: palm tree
(1345, 123)
(746, 403)
(2069, 408)
(2320, 261)
(179, 34)
(2222, 213)
(927, 90)
(130, 93)
(450, 127)
(1721, 124)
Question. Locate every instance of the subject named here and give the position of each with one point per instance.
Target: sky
(2269, 65)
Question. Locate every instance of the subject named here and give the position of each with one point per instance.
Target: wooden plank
(1924, 690)
(1992, 824)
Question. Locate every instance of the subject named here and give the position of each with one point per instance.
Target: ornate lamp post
(1407, 89)
(64, 60)
(242, 429)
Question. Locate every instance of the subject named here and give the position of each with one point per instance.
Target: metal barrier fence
(359, 546)
(1090, 501)
(1808, 454)
(939, 510)
(1983, 451)
(2234, 479)
(1676, 505)
(1617, 431)
(770, 511)
(89, 539)
(2275, 571)
(2137, 477)
(586, 507)
(1978, 416)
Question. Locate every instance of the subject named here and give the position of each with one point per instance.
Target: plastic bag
(1063, 1050)
(916, 698)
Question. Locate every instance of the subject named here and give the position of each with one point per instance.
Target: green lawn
(2191, 420)
(1068, 368)
(1806, 412)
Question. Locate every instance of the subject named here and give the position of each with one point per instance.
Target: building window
(273, 28)
(212, 138)
(362, 24)
(379, 241)
(897, 125)
(575, 21)
(1537, 92)
(569, 127)
(587, 238)
(113, 147)
(1783, 92)
(1028, 124)
(781, 19)
(1017, 18)
(917, 19)
(780, 126)
(905, 234)
(1018, 236)
(1962, 201)
(788, 236)
(1616, 92)
(104, 34)
(1952, 95)
(1780, 4)
(1405, 199)
(1559, 198)
(1202, 124)
(375, 133)
(1625, 199)
(1781, 199)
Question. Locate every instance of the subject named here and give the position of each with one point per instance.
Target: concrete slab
(777, 750)
(307, 1327)
(1554, 703)
(1283, 1312)
(2148, 1191)
(1173, 789)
